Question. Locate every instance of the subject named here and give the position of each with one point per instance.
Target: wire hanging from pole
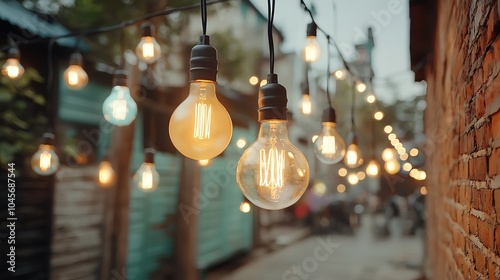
(203, 6)
(328, 71)
(353, 100)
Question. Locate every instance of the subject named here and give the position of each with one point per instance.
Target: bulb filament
(147, 180)
(45, 159)
(328, 145)
(202, 121)
(306, 105)
(119, 109)
(72, 78)
(272, 165)
(12, 71)
(352, 157)
(148, 50)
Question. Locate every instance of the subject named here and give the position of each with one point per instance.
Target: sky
(391, 27)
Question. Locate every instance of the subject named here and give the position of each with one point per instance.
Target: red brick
(473, 225)
(493, 270)
(479, 106)
(479, 260)
(487, 201)
(483, 136)
(497, 238)
(494, 163)
(478, 168)
(486, 234)
(495, 123)
(496, 194)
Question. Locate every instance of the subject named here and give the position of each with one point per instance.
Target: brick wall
(462, 123)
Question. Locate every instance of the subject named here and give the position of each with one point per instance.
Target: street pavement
(337, 257)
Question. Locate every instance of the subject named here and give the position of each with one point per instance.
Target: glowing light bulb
(319, 188)
(353, 157)
(201, 128)
(146, 177)
(392, 166)
(361, 175)
(422, 175)
(74, 76)
(106, 174)
(204, 162)
(378, 115)
(388, 129)
(403, 157)
(372, 169)
(407, 166)
(12, 68)
(241, 143)
(370, 98)
(414, 152)
(272, 173)
(388, 154)
(311, 49)
(45, 161)
(342, 172)
(341, 188)
(339, 74)
(423, 190)
(263, 83)
(360, 87)
(253, 80)
(148, 50)
(245, 207)
(314, 138)
(119, 108)
(306, 106)
(391, 136)
(329, 147)
(352, 178)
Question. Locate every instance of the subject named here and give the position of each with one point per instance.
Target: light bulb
(119, 108)
(361, 87)
(204, 162)
(241, 143)
(378, 115)
(74, 76)
(200, 127)
(148, 50)
(311, 50)
(272, 173)
(407, 166)
(339, 74)
(388, 154)
(253, 80)
(341, 188)
(388, 129)
(329, 147)
(245, 207)
(370, 98)
(353, 157)
(352, 178)
(306, 106)
(146, 177)
(106, 175)
(12, 68)
(423, 190)
(372, 169)
(45, 161)
(392, 166)
(414, 152)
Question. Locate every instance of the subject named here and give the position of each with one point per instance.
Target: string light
(370, 98)
(407, 166)
(360, 87)
(305, 104)
(241, 143)
(342, 172)
(388, 154)
(312, 49)
(272, 173)
(245, 207)
(361, 175)
(119, 108)
(392, 166)
(148, 50)
(45, 161)
(414, 152)
(204, 162)
(341, 188)
(372, 169)
(74, 76)
(340, 74)
(423, 190)
(146, 177)
(200, 127)
(329, 147)
(12, 68)
(379, 115)
(106, 174)
(388, 129)
(253, 80)
(352, 179)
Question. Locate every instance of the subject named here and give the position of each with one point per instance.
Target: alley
(339, 257)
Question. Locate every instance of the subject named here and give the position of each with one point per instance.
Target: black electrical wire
(353, 102)
(204, 16)
(119, 25)
(271, 4)
(328, 71)
(49, 104)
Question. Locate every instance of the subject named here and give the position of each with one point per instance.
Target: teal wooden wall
(223, 229)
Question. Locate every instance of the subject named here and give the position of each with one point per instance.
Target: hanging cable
(328, 71)
(271, 4)
(353, 100)
(204, 16)
(119, 25)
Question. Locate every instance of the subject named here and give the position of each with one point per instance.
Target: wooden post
(187, 221)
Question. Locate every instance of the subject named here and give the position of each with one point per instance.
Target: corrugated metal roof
(13, 12)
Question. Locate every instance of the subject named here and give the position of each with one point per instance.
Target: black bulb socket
(48, 138)
(203, 61)
(354, 139)
(305, 88)
(149, 155)
(272, 100)
(14, 53)
(312, 29)
(147, 29)
(329, 115)
(76, 59)
(120, 77)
